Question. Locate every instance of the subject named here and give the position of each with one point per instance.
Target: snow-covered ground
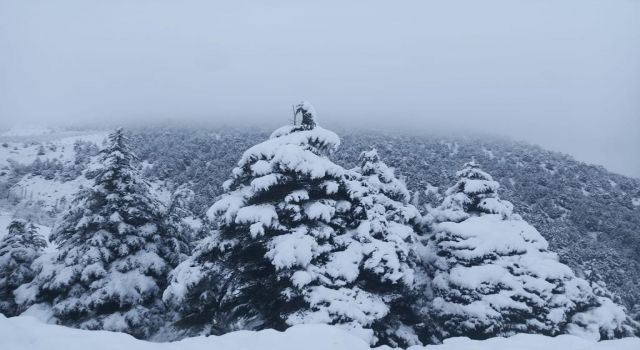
(5, 220)
(24, 150)
(48, 193)
(27, 333)
(35, 195)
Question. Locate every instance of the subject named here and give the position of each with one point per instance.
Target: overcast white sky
(562, 74)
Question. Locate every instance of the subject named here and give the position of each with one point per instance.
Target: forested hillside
(590, 216)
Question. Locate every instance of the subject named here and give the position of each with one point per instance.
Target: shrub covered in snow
(493, 273)
(18, 249)
(114, 253)
(301, 240)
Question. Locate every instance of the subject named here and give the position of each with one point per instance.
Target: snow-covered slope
(32, 183)
(47, 192)
(27, 333)
(24, 149)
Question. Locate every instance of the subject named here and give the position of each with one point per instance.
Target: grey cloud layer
(564, 74)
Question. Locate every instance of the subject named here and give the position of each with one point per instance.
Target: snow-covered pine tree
(635, 313)
(296, 243)
(381, 177)
(113, 252)
(18, 249)
(474, 193)
(281, 207)
(387, 236)
(177, 219)
(493, 273)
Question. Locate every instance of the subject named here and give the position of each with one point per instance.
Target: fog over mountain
(565, 75)
(413, 174)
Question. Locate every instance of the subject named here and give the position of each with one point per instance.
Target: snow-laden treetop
(118, 153)
(308, 113)
(296, 148)
(382, 177)
(474, 193)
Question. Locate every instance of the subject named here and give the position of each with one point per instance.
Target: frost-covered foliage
(475, 192)
(18, 249)
(588, 215)
(381, 177)
(389, 231)
(584, 211)
(113, 252)
(493, 273)
(178, 218)
(300, 240)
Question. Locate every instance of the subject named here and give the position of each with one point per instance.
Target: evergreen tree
(387, 234)
(474, 193)
(493, 273)
(177, 221)
(18, 249)
(299, 240)
(382, 177)
(114, 253)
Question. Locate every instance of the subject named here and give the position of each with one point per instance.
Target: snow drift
(26, 332)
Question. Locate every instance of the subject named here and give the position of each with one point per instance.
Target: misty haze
(326, 175)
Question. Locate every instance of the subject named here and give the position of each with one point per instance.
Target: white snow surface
(5, 220)
(48, 193)
(36, 196)
(28, 333)
(25, 150)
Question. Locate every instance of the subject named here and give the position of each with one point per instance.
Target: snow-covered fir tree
(299, 240)
(179, 219)
(114, 253)
(380, 176)
(474, 193)
(493, 273)
(18, 250)
(388, 231)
